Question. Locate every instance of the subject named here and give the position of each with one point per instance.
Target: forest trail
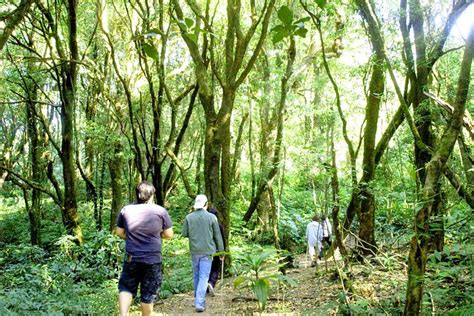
(317, 292)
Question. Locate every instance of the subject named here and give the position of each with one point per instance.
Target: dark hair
(316, 218)
(144, 191)
(213, 211)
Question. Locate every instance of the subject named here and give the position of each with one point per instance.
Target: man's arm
(217, 236)
(120, 232)
(184, 230)
(167, 233)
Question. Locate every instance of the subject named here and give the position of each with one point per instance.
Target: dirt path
(314, 290)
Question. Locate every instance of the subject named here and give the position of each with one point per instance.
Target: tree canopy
(276, 110)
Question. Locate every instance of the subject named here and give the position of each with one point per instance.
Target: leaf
(193, 37)
(183, 25)
(321, 3)
(279, 28)
(302, 20)
(277, 37)
(261, 288)
(287, 280)
(301, 32)
(239, 280)
(152, 32)
(189, 22)
(285, 15)
(151, 51)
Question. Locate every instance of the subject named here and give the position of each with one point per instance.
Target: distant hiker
(327, 230)
(314, 236)
(143, 225)
(202, 229)
(216, 261)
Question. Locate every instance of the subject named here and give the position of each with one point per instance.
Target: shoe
(200, 309)
(210, 289)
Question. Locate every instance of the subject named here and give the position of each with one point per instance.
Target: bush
(73, 280)
(258, 271)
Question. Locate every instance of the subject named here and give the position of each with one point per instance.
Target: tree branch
(459, 187)
(467, 121)
(31, 184)
(14, 18)
(175, 159)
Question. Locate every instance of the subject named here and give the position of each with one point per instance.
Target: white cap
(200, 201)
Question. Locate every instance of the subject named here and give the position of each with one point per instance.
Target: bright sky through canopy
(464, 23)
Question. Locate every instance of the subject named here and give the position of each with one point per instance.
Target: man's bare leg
(147, 309)
(125, 300)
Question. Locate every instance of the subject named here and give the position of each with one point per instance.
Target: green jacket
(202, 229)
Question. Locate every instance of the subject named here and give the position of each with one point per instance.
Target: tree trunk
(264, 210)
(217, 157)
(14, 18)
(468, 163)
(35, 149)
(116, 165)
(376, 89)
(419, 244)
(335, 199)
(68, 105)
(266, 182)
(419, 69)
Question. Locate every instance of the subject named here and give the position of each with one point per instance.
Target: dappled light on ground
(319, 291)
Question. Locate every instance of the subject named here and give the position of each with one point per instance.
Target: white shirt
(327, 228)
(314, 233)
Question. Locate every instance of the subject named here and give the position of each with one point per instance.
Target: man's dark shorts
(147, 275)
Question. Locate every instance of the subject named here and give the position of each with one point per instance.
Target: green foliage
(13, 226)
(35, 282)
(190, 29)
(321, 3)
(258, 270)
(151, 51)
(462, 310)
(291, 231)
(288, 27)
(177, 269)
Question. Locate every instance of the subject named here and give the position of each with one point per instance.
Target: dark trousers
(215, 270)
(327, 240)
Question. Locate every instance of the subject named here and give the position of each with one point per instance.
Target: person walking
(314, 236)
(143, 225)
(327, 230)
(216, 261)
(202, 230)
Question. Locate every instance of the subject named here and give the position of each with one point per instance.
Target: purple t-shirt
(143, 224)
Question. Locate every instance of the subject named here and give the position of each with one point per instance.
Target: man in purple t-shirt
(143, 225)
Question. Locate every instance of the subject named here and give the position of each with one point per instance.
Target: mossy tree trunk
(66, 77)
(116, 167)
(420, 242)
(375, 93)
(235, 68)
(37, 168)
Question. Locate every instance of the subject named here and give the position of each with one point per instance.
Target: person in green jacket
(202, 229)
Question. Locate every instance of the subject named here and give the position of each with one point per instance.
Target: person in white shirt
(327, 230)
(314, 236)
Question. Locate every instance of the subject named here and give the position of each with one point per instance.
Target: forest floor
(319, 292)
